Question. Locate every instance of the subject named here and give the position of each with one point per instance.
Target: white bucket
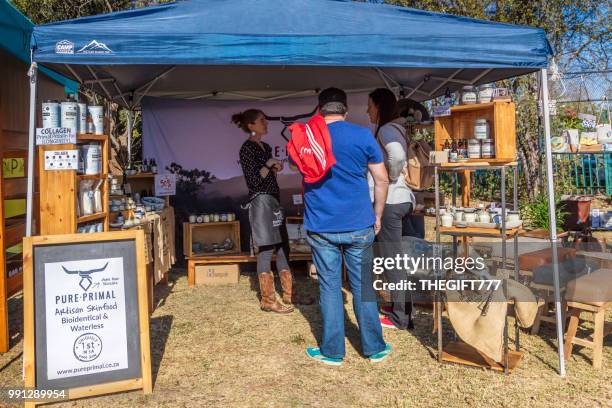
(82, 118)
(70, 114)
(92, 158)
(97, 116)
(50, 114)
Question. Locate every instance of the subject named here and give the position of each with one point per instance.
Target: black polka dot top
(252, 159)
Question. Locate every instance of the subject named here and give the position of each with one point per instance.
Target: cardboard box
(438, 157)
(211, 275)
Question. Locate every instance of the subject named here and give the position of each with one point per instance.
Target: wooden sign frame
(4, 323)
(143, 382)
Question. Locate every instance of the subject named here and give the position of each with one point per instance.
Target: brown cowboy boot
(268, 295)
(289, 295)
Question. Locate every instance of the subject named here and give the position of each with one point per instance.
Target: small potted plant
(535, 216)
(572, 126)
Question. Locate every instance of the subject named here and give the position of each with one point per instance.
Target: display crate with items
(211, 238)
(478, 132)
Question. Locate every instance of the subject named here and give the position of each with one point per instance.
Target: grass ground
(213, 347)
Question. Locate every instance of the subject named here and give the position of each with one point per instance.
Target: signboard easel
(82, 294)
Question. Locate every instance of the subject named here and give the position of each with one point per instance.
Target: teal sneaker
(378, 357)
(315, 353)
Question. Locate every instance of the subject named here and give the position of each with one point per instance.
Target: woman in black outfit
(265, 213)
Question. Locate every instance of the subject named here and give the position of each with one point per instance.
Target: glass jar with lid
(485, 93)
(468, 95)
(487, 148)
(481, 129)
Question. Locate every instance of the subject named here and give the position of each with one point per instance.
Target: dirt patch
(213, 347)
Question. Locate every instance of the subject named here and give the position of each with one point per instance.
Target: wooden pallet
(462, 353)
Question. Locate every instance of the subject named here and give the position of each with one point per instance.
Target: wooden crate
(460, 125)
(209, 233)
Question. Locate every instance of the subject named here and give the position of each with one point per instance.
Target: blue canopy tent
(271, 49)
(259, 49)
(15, 33)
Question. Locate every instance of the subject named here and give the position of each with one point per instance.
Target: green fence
(583, 173)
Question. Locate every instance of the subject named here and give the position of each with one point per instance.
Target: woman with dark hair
(268, 229)
(391, 136)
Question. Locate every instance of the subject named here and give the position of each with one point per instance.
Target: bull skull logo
(86, 281)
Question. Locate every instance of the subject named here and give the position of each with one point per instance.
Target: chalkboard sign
(84, 295)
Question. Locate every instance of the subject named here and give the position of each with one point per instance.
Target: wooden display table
(243, 257)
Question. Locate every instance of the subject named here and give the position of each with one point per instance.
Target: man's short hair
(332, 101)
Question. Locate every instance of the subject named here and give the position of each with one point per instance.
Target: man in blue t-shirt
(341, 224)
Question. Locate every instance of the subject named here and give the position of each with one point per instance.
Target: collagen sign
(52, 136)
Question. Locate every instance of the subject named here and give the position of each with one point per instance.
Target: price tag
(61, 159)
(298, 199)
(441, 110)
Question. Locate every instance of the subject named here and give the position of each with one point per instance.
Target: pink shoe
(387, 323)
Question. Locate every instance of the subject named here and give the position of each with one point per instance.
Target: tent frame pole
(142, 91)
(33, 74)
(552, 218)
(78, 78)
(93, 74)
(446, 81)
(130, 120)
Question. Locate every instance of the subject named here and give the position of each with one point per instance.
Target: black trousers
(390, 243)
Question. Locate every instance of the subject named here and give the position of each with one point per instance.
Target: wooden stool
(527, 264)
(593, 294)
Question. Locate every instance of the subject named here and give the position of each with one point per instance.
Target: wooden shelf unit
(460, 125)
(481, 232)
(59, 191)
(91, 176)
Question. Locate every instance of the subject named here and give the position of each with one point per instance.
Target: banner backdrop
(199, 135)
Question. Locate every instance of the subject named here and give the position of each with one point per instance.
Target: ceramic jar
(469, 217)
(458, 215)
(513, 216)
(484, 217)
(192, 219)
(447, 220)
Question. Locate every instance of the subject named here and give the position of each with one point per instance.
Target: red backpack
(310, 148)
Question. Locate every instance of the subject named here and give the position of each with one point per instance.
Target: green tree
(579, 32)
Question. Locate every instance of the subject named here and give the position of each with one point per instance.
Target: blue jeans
(327, 252)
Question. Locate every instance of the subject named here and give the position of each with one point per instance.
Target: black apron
(266, 218)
